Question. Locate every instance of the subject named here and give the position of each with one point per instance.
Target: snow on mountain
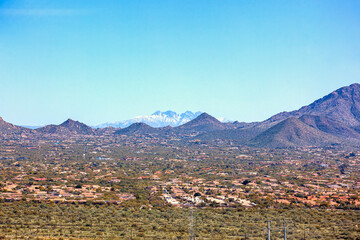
(157, 119)
(223, 120)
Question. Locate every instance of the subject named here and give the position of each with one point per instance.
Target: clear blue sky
(100, 61)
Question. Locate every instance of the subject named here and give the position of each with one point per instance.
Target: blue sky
(100, 61)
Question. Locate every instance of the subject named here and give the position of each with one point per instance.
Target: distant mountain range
(157, 119)
(333, 120)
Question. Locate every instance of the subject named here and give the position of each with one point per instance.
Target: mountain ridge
(333, 120)
(8, 129)
(335, 106)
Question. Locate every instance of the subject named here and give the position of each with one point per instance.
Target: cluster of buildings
(219, 174)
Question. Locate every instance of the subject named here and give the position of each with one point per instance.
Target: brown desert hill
(8, 129)
(138, 129)
(292, 132)
(69, 127)
(203, 123)
(77, 127)
(342, 105)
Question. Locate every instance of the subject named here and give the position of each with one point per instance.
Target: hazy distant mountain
(69, 127)
(157, 119)
(30, 127)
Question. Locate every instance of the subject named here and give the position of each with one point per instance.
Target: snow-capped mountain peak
(157, 119)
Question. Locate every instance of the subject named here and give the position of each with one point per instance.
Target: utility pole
(84, 154)
(268, 229)
(284, 229)
(304, 234)
(303, 228)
